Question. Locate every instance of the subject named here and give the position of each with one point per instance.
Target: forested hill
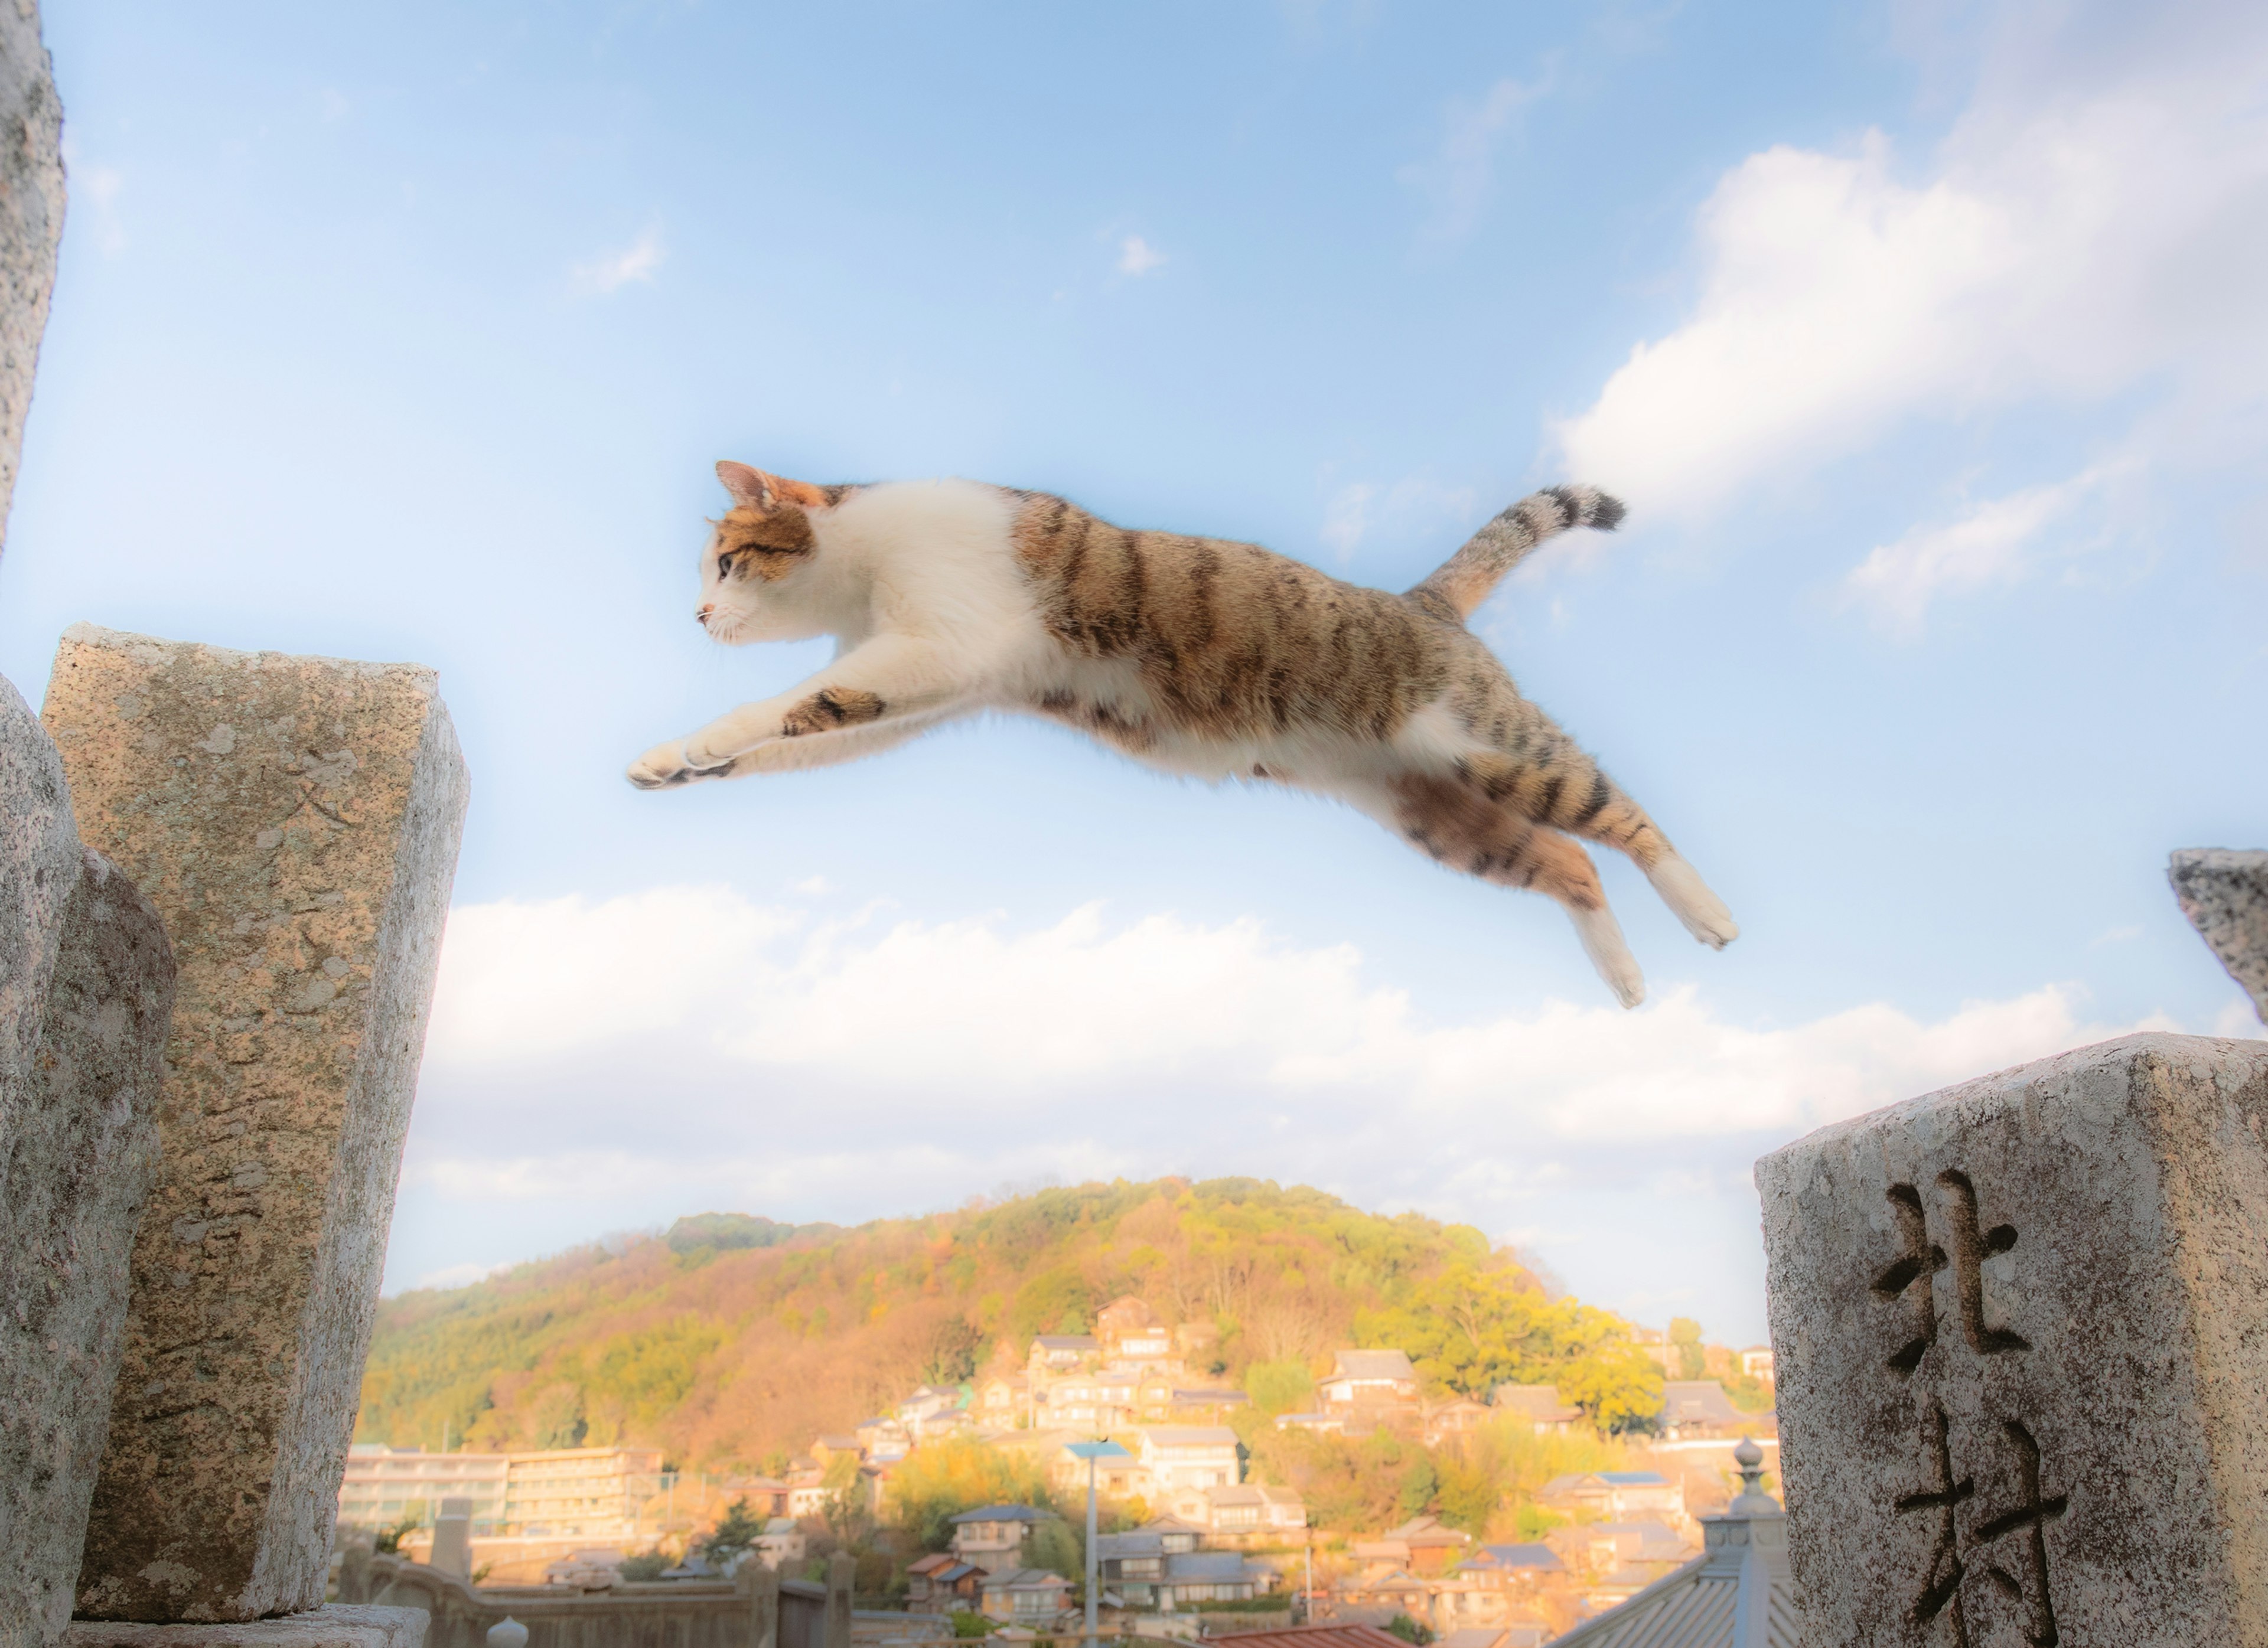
(732, 1341)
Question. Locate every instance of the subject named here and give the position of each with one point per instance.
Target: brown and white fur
(1199, 656)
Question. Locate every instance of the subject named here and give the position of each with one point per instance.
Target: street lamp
(1091, 1451)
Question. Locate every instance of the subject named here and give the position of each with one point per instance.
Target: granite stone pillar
(295, 821)
(31, 220)
(841, 1570)
(2020, 1334)
(86, 984)
(2225, 895)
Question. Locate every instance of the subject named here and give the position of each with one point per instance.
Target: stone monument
(31, 220)
(295, 821)
(2225, 895)
(2020, 1331)
(87, 988)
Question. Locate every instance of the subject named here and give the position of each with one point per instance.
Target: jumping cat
(1198, 656)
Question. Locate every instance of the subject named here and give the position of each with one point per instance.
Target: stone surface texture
(336, 1625)
(295, 821)
(86, 982)
(31, 220)
(2022, 1337)
(2225, 895)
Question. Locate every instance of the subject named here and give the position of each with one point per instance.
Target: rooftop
(1373, 1364)
(1002, 1513)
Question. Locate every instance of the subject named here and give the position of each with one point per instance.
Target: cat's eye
(725, 566)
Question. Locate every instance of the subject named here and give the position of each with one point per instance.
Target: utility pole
(1091, 1451)
(1308, 1596)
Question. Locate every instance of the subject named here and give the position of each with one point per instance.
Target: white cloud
(1347, 516)
(1457, 179)
(1138, 257)
(640, 261)
(2088, 225)
(700, 980)
(1990, 544)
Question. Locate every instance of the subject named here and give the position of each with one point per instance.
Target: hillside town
(1193, 1524)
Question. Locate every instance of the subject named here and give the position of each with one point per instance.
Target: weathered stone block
(334, 1626)
(87, 981)
(2225, 895)
(2021, 1328)
(31, 220)
(295, 822)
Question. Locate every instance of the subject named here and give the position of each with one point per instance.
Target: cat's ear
(756, 490)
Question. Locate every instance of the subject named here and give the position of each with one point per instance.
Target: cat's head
(759, 576)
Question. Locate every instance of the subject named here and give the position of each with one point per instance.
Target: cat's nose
(702, 613)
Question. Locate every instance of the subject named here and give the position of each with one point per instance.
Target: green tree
(1420, 1481)
(1280, 1387)
(1055, 1547)
(1685, 1337)
(953, 1352)
(733, 1537)
(1409, 1631)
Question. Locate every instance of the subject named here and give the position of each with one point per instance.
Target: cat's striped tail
(1466, 577)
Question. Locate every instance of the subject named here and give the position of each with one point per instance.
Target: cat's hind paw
(1602, 941)
(1691, 900)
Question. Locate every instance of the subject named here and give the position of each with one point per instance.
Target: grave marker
(2018, 1328)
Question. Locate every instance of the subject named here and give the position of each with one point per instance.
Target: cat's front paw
(665, 766)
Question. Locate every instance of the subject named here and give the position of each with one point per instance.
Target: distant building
(1740, 1581)
(1131, 1332)
(555, 1493)
(1025, 1596)
(992, 1537)
(1367, 1378)
(1004, 1399)
(1254, 1508)
(1459, 1417)
(1756, 1363)
(941, 1583)
(1699, 1407)
(1187, 1458)
(1059, 1353)
(781, 1541)
(1615, 1496)
(1538, 1405)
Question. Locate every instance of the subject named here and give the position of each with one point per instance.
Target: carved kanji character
(1912, 1273)
(1971, 1246)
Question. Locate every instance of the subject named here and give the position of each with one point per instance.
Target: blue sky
(1925, 340)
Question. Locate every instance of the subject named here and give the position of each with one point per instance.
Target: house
(1741, 1579)
(1432, 1544)
(1004, 1399)
(1114, 1478)
(1315, 1636)
(1059, 1353)
(927, 1403)
(1493, 1587)
(1602, 1548)
(1209, 1577)
(1387, 1588)
(1458, 1416)
(1191, 1458)
(1699, 1407)
(826, 1450)
(882, 1435)
(1513, 1567)
(941, 1583)
(1254, 1508)
(1323, 1423)
(1026, 1596)
(992, 1537)
(1756, 1363)
(1369, 1378)
(1130, 1332)
(1131, 1564)
(1656, 1345)
(1613, 1495)
(781, 1541)
(1538, 1405)
(1099, 1400)
(1187, 1407)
